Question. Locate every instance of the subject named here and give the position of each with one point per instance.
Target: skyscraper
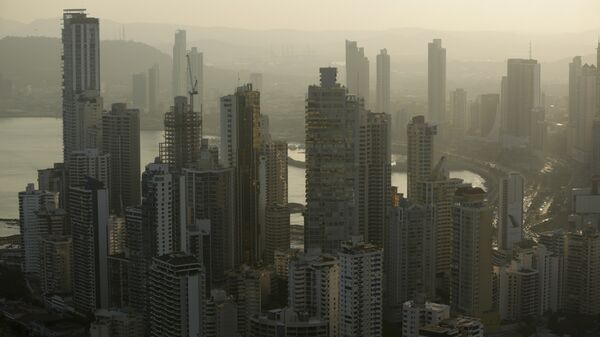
(56, 263)
(153, 89)
(121, 140)
(573, 125)
(436, 83)
(183, 132)
(458, 106)
(488, 110)
(357, 71)
(375, 176)
(409, 267)
(179, 74)
(383, 82)
(522, 96)
(361, 293)
(420, 153)
(240, 149)
(82, 103)
(33, 206)
(471, 290)
(197, 68)
(582, 268)
(176, 285)
(88, 210)
(510, 211)
(139, 96)
(313, 287)
(332, 120)
(88, 163)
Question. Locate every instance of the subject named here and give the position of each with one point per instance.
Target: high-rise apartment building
(361, 289)
(420, 154)
(82, 104)
(139, 92)
(471, 289)
(220, 316)
(489, 105)
(436, 82)
(510, 210)
(154, 89)
(332, 122)
(458, 107)
(417, 314)
(88, 163)
(286, 323)
(121, 140)
(314, 288)
(240, 149)
(374, 176)
(357, 72)
(523, 94)
(183, 132)
(56, 263)
(37, 217)
(383, 82)
(176, 290)
(582, 268)
(88, 211)
(179, 74)
(409, 265)
(54, 179)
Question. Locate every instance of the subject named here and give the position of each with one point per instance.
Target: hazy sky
(514, 15)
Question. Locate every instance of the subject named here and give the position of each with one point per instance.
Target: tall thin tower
(179, 65)
(357, 71)
(383, 82)
(81, 81)
(436, 84)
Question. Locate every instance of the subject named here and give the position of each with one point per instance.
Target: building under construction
(183, 132)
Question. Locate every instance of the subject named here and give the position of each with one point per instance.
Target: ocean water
(28, 144)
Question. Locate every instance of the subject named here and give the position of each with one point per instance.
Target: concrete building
(374, 176)
(54, 179)
(420, 154)
(361, 289)
(313, 287)
(121, 140)
(209, 197)
(37, 216)
(416, 315)
(56, 264)
(286, 323)
(458, 107)
(489, 105)
(383, 83)
(510, 211)
(471, 289)
(154, 89)
(81, 103)
(220, 316)
(179, 74)
(176, 288)
(117, 323)
(332, 121)
(88, 211)
(158, 208)
(582, 267)
(523, 94)
(409, 265)
(183, 134)
(251, 290)
(357, 72)
(88, 163)
(139, 92)
(585, 205)
(436, 82)
(240, 150)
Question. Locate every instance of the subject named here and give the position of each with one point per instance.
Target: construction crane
(193, 83)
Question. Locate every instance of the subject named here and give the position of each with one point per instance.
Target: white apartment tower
(510, 211)
(436, 83)
(179, 74)
(416, 315)
(361, 289)
(357, 71)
